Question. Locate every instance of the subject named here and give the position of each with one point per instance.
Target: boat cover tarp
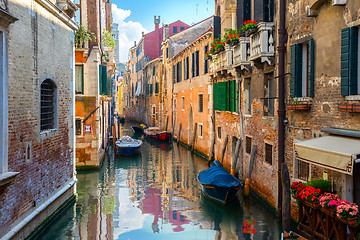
(218, 177)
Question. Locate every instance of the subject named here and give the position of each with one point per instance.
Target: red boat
(157, 133)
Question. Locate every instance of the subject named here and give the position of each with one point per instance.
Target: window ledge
(303, 99)
(352, 98)
(7, 178)
(48, 132)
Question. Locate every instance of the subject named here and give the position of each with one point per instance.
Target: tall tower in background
(115, 31)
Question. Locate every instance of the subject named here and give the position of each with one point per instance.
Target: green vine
(108, 39)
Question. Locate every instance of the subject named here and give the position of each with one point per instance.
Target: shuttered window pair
(350, 80)
(195, 64)
(302, 69)
(178, 72)
(226, 96)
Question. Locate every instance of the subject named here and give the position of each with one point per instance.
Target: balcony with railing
(262, 45)
(241, 53)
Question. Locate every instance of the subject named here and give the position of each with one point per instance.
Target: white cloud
(129, 31)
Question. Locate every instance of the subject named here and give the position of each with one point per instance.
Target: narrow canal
(155, 195)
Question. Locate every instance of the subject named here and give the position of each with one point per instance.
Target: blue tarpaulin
(218, 177)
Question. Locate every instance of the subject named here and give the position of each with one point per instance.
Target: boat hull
(138, 130)
(159, 135)
(128, 150)
(218, 194)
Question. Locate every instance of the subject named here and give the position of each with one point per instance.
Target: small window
(247, 95)
(182, 103)
(167, 52)
(153, 110)
(78, 126)
(79, 79)
(248, 142)
(268, 107)
(268, 153)
(219, 132)
(174, 29)
(48, 100)
(28, 151)
(153, 70)
(200, 130)
(181, 28)
(302, 170)
(201, 103)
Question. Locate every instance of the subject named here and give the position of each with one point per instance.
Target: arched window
(47, 105)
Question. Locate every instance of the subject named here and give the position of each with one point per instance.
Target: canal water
(155, 195)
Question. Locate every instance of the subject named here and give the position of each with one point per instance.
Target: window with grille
(268, 153)
(201, 103)
(78, 126)
(219, 132)
(248, 142)
(47, 100)
(302, 170)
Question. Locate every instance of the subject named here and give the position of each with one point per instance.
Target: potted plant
(309, 196)
(82, 35)
(231, 36)
(249, 27)
(208, 56)
(347, 212)
(296, 188)
(217, 47)
(329, 202)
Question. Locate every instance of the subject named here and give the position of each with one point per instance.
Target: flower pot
(348, 221)
(234, 42)
(250, 31)
(328, 211)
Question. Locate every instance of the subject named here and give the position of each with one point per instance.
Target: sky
(137, 16)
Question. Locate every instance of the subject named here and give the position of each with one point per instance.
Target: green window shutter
(231, 85)
(147, 89)
(185, 69)
(174, 74)
(311, 69)
(345, 60)
(151, 89)
(156, 87)
(197, 63)
(192, 65)
(296, 70)
(153, 70)
(221, 96)
(100, 79)
(237, 97)
(180, 71)
(353, 66)
(292, 70)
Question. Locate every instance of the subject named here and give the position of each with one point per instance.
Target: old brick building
(244, 94)
(95, 64)
(323, 93)
(37, 113)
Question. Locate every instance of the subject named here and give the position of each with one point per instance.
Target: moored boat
(128, 146)
(138, 130)
(218, 185)
(157, 133)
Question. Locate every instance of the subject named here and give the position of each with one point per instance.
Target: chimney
(142, 33)
(134, 43)
(165, 31)
(156, 22)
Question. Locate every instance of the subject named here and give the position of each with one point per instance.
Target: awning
(331, 152)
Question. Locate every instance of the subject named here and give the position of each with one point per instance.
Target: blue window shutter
(353, 66)
(345, 60)
(311, 68)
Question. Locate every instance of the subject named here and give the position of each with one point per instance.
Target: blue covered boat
(218, 185)
(128, 146)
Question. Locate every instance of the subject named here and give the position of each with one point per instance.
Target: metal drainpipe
(281, 111)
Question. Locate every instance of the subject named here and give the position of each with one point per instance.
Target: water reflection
(155, 195)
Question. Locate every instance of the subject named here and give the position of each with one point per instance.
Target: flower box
(348, 221)
(250, 31)
(299, 106)
(349, 107)
(314, 205)
(328, 211)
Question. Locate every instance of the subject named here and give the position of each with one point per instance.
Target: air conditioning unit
(338, 2)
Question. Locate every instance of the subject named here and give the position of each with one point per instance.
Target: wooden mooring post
(193, 138)
(114, 138)
(252, 160)
(224, 149)
(235, 157)
(167, 122)
(286, 198)
(212, 145)
(173, 129)
(178, 139)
